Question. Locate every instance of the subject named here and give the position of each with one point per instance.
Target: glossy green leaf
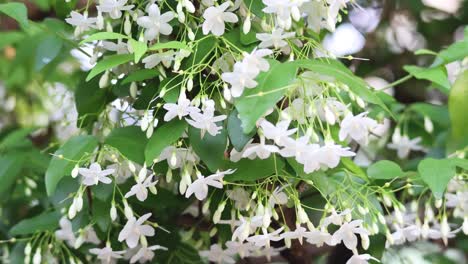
(437, 75)
(272, 85)
(456, 51)
(72, 151)
(252, 170)
(209, 148)
(140, 75)
(130, 141)
(162, 137)
(458, 109)
(10, 166)
(103, 36)
(48, 221)
(384, 170)
(236, 135)
(437, 113)
(90, 101)
(138, 48)
(335, 70)
(437, 174)
(169, 45)
(109, 63)
(47, 50)
(17, 11)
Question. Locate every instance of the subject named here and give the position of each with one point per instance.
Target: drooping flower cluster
(224, 112)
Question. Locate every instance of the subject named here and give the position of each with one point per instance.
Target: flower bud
(169, 175)
(218, 212)
(37, 258)
(75, 170)
(127, 26)
(247, 24)
(104, 80)
(113, 212)
(133, 90)
(428, 125)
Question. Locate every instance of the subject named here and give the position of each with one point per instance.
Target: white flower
(255, 63)
(240, 78)
(347, 234)
(333, 11)
(243, 230)
(296, 148)
(278, 197)
(241, 248)
(360, 259)
(240, 197)
(336, 218)
(156, 23)
(329, 155)
(356, 127)
(145, 254)
(200, 186)
(165, 58)
(275, 39)
(120, 47)
(318, 237)
(260, 149)
(277, 133)
(114, 7)
(134, 229)
(178, 157)
(106, 255)
(403, 145)
(140, 189)
(216, 254)
(95, 174)
(215, 17)
(81, 22)
(299, 234)
(87, 235)
(180, 109)
(206, 122)
(264, 239)
(65, 232)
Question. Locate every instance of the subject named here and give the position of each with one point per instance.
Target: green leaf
(252, 170)
(163, 137)
(384, 170)
(10, 167)
(72, 151)
(437, 174)
(170, 45)
(139, 49)
(109, 63)
(456, 51)
(437, 75)
(140, 75)
(202, 51)
(458, 162)
(103, 36)
(17, 11)
(256, 7)
(10, 37)
(16, 139)
(130, 141)
(210, 148)
(272, 85)
(47, 50)
(458, 108)
(48, 221)
(90, 101)
(436, 113)
(337, 71)
(236, 134)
